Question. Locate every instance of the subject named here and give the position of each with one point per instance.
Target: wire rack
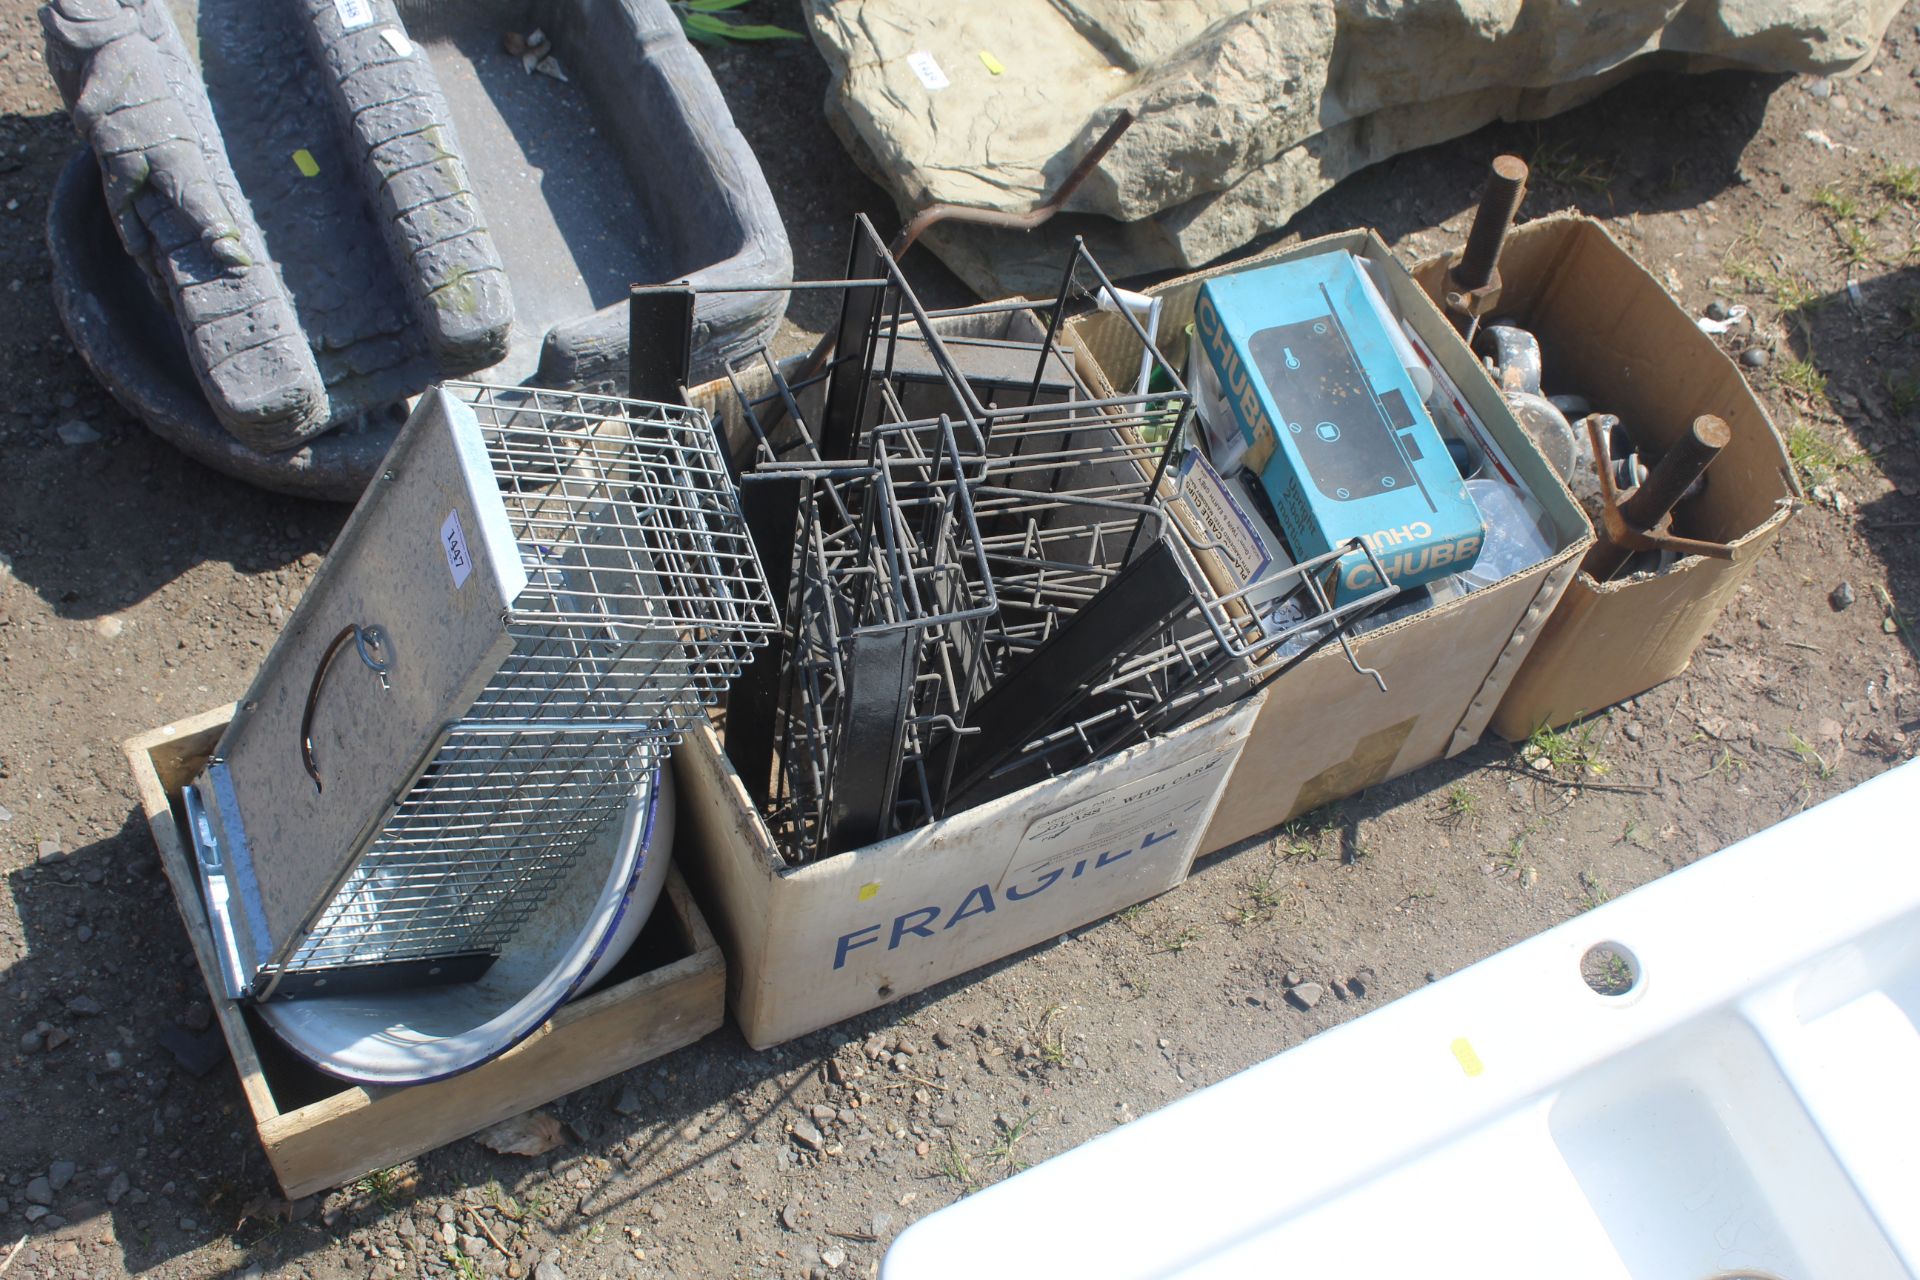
(644, 598)
(892, 599)
(1110, 619)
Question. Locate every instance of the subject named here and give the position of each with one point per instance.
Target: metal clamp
(370, 643)
(1642, 520)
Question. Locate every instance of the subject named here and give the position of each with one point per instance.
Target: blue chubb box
(1332, 423)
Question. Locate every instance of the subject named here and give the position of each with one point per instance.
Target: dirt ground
(137, 588)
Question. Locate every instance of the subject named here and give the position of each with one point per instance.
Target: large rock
(1244, 112)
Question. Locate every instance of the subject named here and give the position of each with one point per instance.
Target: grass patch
(956, 1168)
(1459, 805)
(1837, 203)
(1573, 750)
(1802, 378)
(1596, 891)
(1302, 839)
(1511, 860)
(1557, 162)
(1856, 246)
(1001, 1152)
(1810, 757)
(1793, 295)
(1174, 943)
(1901, 181)
(1264, 896)
(1814, 456)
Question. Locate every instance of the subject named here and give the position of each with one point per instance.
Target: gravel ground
(138, 588)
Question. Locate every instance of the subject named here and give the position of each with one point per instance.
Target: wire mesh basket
(621, 594)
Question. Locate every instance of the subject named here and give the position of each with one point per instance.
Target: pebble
(6, 814)
(1291, 978)
(59, 1174)
(32, 1041)
(881, 1221)
(548, 1271)
(1306, 994)
(807, 1136)
(120, 1185)
(943, 1038)
(188, 1224)
(824, 1114)
(1841, 597)
(35, 1212)
(473, 1246)
(76, 432)
(39, 1191)
(49, 850)
(1632, 730)
(790, 1215)
(628, 1102)
(690, 1131)
(198, 1016)
(921, 1148)
(85, 1006)
(449, 1234)
(834, 1256)
(445, 1213)
(1718, 309)
(1754, 357)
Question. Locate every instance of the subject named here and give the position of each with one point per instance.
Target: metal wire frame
(480, 841)
(644, 597)
(1190, 668)
(890, 577)
(1068, 488)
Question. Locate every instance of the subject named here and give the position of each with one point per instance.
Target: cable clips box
(1332, 423)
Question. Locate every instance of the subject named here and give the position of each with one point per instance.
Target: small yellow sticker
(303, 161)
(1469, 1060)
(868, 890)
(991, 63)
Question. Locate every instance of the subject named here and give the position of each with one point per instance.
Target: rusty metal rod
(1506, 187)
(1648, 507)
(938, 213)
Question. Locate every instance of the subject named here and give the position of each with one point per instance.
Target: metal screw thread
(1506, 188)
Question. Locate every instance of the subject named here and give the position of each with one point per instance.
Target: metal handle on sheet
(370, 643)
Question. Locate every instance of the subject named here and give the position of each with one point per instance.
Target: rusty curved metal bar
(934, 214)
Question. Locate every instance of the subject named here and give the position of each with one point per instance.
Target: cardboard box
(1611, 333)
(1332, 423)
(808, 946)
(319, 1132)
(1325, 730)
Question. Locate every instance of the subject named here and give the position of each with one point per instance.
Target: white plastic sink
(1749, 1107)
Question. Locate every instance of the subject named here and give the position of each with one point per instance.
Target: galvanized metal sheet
(429, 558)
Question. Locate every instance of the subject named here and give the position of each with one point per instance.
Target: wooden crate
(319, 1132)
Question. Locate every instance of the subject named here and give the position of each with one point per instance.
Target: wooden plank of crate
(342, 1137)
(163, 761)
(357, 1130)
